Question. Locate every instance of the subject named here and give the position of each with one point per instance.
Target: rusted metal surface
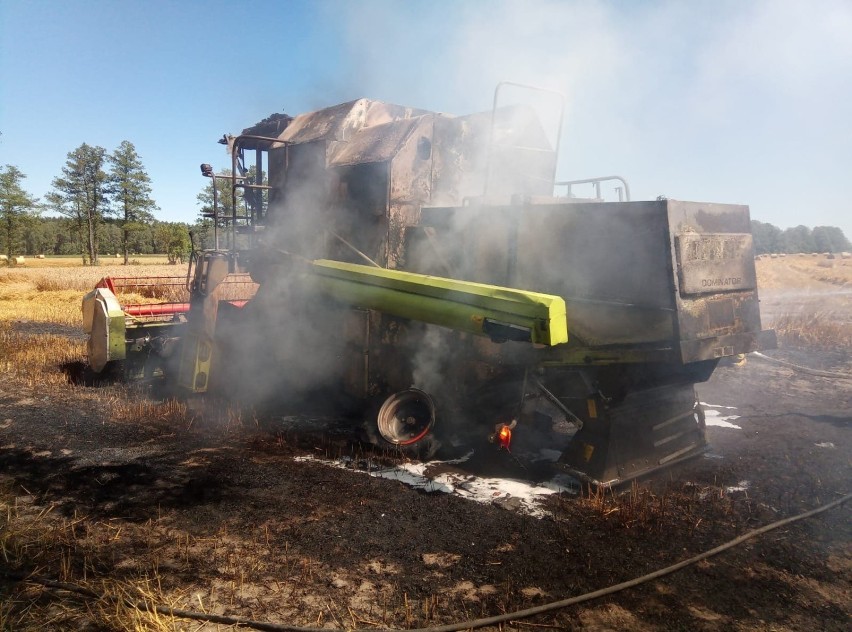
(718, 309)
(373, 144)
(341, 122)
(715, 262)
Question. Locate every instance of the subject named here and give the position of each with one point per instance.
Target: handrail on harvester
(234, 147)
(597, 183)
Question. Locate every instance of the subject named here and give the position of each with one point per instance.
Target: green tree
(249, 202)
(16, 207)
(172, 238)
(130, 188)
(81, 194)
(41, 236)
(798, 239)
(767, 238)
(223, 195)
(830, 239)
(110, 237)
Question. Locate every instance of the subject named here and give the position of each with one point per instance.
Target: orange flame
(504, 437)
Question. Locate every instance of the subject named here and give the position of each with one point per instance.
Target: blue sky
(725, 101)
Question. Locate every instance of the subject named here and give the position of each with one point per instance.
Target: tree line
(104, 206)
(769, 239)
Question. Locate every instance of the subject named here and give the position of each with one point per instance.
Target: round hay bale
(18, 261)
(4, 258)
(39, 256)
(846, 255)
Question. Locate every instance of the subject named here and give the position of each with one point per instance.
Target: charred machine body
(424, 266)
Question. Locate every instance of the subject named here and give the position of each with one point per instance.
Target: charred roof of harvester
(335, 123)
(367, 122)
(341, 122)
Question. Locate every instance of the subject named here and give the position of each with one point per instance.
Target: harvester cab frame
(420, 264)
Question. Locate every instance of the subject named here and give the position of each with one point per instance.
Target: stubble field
(116, 500)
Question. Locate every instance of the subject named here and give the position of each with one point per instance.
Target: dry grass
(82, 279)
(105, 261)
(37, 360)
(817, 330)
(791, 273)
(119, 559)
(35, 540)
(54, 295)
(242, 571)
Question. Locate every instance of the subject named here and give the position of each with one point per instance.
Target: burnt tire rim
(406, 417)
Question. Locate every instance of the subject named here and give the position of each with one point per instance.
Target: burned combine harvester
(421, 264)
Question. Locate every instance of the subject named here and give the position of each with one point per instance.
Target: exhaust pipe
(406, 417)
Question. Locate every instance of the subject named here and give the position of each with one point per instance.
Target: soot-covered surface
(269, 519)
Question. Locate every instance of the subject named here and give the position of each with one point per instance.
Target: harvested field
(117, 490)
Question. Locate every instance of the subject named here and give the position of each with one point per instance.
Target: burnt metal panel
(717, 302)
(341, 122)
(272, 126)
(372, 144)
(609, 261)
(625, 271)
(715, 262)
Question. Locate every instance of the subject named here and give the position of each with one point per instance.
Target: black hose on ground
(453, 627)
(802, 369)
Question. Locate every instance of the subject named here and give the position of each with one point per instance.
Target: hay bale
(18, 261)
(773, 256)
(39, 256)
(3, 258)
(846, 255)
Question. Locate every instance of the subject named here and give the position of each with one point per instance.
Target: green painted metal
(477, 308)
(117, 347)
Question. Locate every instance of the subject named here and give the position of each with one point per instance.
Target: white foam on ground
(509, 493)
(825, 444)
(714, 417)
(739, 487)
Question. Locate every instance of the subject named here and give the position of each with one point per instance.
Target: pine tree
(16, 205)
(130, 188)
(81, 194)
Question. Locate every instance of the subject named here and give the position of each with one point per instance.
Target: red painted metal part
(117, 285)
(156, 309)
(164, 309)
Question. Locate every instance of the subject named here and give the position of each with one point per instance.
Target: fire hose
(801, 369)
(453, 627)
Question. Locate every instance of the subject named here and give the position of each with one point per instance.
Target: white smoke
(701, 101)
